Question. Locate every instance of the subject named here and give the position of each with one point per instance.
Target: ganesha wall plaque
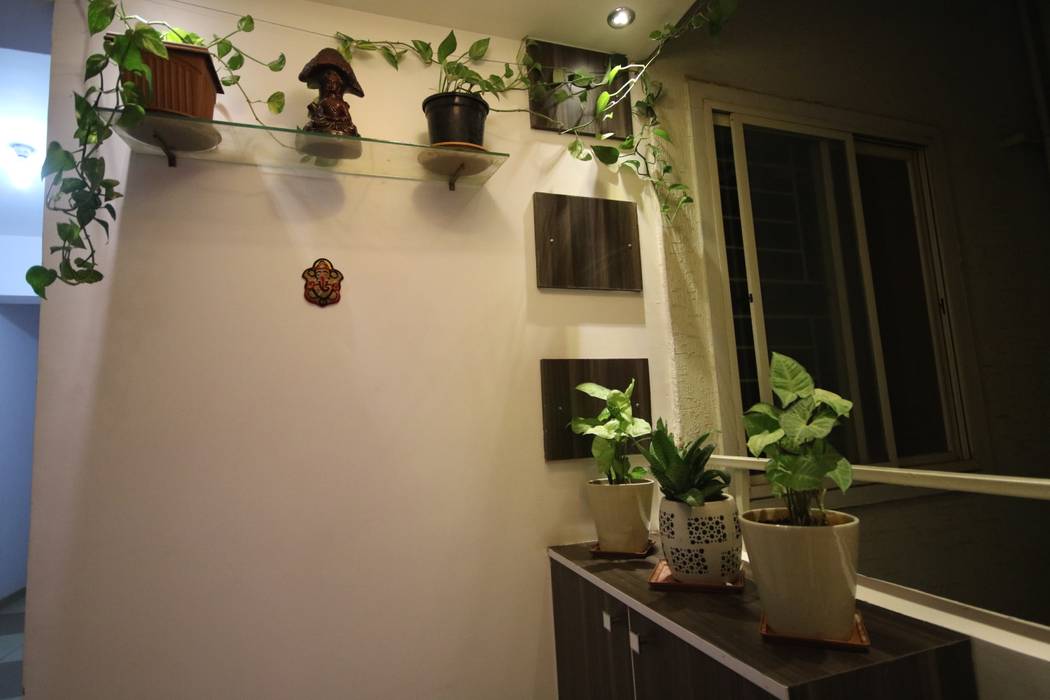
(322, 283)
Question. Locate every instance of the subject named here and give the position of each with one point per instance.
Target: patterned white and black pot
(701, 543)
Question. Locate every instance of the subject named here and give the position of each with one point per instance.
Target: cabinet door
(590, 632)
(667, 668)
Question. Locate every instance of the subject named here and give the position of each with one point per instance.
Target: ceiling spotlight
(22, 164)
(620, 17)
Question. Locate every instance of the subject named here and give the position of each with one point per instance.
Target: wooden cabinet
(605, 651)
(617, 638)
(591, 634)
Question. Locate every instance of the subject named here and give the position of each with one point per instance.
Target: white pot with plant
(622, 500)
(699, 527)
(803, 557)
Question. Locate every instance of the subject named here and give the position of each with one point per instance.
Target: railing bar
(1014, 486)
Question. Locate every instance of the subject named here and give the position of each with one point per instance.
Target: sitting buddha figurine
(330, 74)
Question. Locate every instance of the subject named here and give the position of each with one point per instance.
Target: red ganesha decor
(322, 283)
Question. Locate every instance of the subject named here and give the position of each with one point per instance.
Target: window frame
(708, 103)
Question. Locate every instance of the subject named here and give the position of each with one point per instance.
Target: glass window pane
(737, 273)
(809, 302)
(903, 306)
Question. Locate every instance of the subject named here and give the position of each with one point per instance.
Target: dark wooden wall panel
(572, 112)
(586, 243)
(561, 401)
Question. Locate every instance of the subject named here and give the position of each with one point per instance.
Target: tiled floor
(12, 625)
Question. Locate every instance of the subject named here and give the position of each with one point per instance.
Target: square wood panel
(572, 112)
(586, 243)
(561, 401)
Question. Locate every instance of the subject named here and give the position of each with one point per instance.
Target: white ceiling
(573, 22)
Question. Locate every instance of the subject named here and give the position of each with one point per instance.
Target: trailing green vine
(76, 183)
(644, 152)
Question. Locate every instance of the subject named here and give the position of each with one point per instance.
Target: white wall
(237, 494)
(18, 336)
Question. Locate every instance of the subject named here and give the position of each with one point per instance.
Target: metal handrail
(987, 484)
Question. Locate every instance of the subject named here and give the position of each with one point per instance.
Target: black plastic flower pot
(456, 119)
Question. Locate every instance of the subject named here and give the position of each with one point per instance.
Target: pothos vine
(78, 189)
(644, 152)
(76, 184)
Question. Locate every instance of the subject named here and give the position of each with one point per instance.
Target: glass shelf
(289, 149)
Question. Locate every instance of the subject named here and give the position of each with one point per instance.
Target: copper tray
(858, 640)
(661, 579)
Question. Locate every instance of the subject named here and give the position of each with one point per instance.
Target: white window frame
(707, 102)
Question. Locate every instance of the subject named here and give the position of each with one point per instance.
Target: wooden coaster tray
(650, 547)
(661, 579)
(858, 640)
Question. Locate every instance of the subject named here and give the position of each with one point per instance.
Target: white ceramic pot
(806, 576)
(621, 514)
(701, 543)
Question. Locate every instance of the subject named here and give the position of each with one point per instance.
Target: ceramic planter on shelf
(621, 514)
(456, 119)
(185, 84)
(806, 576)
(701, 543)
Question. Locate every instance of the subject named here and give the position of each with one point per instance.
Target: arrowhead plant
(613, 429)
(793, 437)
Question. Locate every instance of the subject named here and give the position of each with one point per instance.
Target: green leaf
(70, 184)
(582, 425)
(89, 276)
(235, 62)
(610, 75)
(508, 72)
(389, 55)
(757, 443)
(637, 473)
(662, 133)
(595, 390)
(94, 169)
(177, 35)
(758, 423)
(478, 49)
(602, 102)
(836, 403)
(94, 65)
(246, 23)
(609, 430)
(275, 102)
(39, 278)
(842, 474)
(797, 424)
(56, 160)
(604, 453)
(148, 38)
(655, 34)
(576, 150)
(132, 115)
(100, 15)
(606, 154)
(65, 270)
(67, 231)
(790, 379)
(231, 80)
(277, 64)
(619, 404)
(424, 50)
(223, 47)
(639, 428)
(446, 47)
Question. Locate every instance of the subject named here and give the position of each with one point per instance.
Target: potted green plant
(803, 557)
(621, 501)
(699, 526)
(149, 78)
(456, 113)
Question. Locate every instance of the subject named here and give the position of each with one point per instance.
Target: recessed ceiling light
(620, 17)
